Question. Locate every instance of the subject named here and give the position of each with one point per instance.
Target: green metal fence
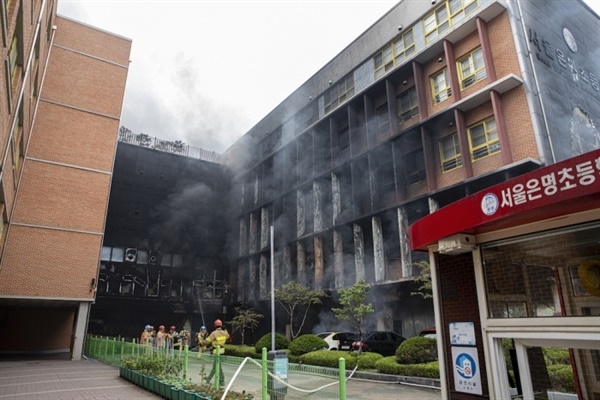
(262, 379)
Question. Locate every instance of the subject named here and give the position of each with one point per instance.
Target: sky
(206, 71)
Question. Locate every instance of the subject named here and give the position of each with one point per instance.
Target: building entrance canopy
(563, 188)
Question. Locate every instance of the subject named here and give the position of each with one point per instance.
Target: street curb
(411, 380)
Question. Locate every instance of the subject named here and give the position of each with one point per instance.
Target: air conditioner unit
(154, 257)
(130, 255)
(457, 244)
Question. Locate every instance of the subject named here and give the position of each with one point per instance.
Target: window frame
(491, 145)
(390, 56)
(418, 173)
(446, 91)
(433, 25)
(450, 163)
(339, 94)
(476, 74)
(382, 115)
(406, 114)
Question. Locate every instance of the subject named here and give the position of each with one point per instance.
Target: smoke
(187, 219)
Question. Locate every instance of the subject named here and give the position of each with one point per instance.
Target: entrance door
(538, 368)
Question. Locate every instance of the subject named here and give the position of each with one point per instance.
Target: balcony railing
(169, 146)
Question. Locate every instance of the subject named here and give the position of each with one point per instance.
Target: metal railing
(169, 146)
(258, 378)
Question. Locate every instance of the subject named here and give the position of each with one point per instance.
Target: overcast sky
(206, 71)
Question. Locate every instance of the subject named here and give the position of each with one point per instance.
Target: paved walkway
(52, 379)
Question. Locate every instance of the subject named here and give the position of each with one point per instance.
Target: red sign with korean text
(565, 181)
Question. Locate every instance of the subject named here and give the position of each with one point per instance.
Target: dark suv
(382, 342)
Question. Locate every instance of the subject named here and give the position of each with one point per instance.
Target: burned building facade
(162, 260)
(435, 101)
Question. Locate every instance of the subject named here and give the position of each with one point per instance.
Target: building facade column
(359, 252)
(378, 253)
(79, 330)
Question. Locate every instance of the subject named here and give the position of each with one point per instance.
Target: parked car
(333, 338)
(346, 342)
(429, 333)
(382, 342)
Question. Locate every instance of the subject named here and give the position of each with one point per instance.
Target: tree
(291, 296)
(354, 305)
(425, 288)
(245, 318)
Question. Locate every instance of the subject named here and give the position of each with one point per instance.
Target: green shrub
(306, 343)
(417, 350)
(326, 358)
(561, 378)
(281, 342)
(368, 360)
(160, 366)
(242, 351)
(389, 365)
(556, 356)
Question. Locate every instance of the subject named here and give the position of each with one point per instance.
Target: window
(271, 142)
(460, 8)
(383, 118)
(483, 139)
(471, 69)
(415, 167)
(440, 84)
(13, 54)
(344, 137)
(17, 142)
(447, 15)
(306, 117)
(450, 153)
(4, 221)
(408, 105)
(338, 94)
(386, 178)
(393, 54)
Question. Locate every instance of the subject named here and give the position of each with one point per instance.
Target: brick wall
(458, 296)
(53, 242)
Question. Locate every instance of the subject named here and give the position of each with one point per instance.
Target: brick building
(436, 101)
(61, 97)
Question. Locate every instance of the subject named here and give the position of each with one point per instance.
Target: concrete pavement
(61, 379)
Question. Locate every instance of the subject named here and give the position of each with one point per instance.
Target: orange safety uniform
(217, 338)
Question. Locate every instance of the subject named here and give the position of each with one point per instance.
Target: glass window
(450, 153)
(415, 167)
(440, 85)
(383, 118)
(447, 15)
(105, 254)
(408, 105)
(483, 139)
(471, 68)
(339, 93)
(394, 53)
(118, 253)
(543, 275)
(13, 54)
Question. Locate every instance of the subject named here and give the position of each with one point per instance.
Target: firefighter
(161, 337)
(184, 336)
(217, 339)
(145, 338)
(173, 338)
(200, 336)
